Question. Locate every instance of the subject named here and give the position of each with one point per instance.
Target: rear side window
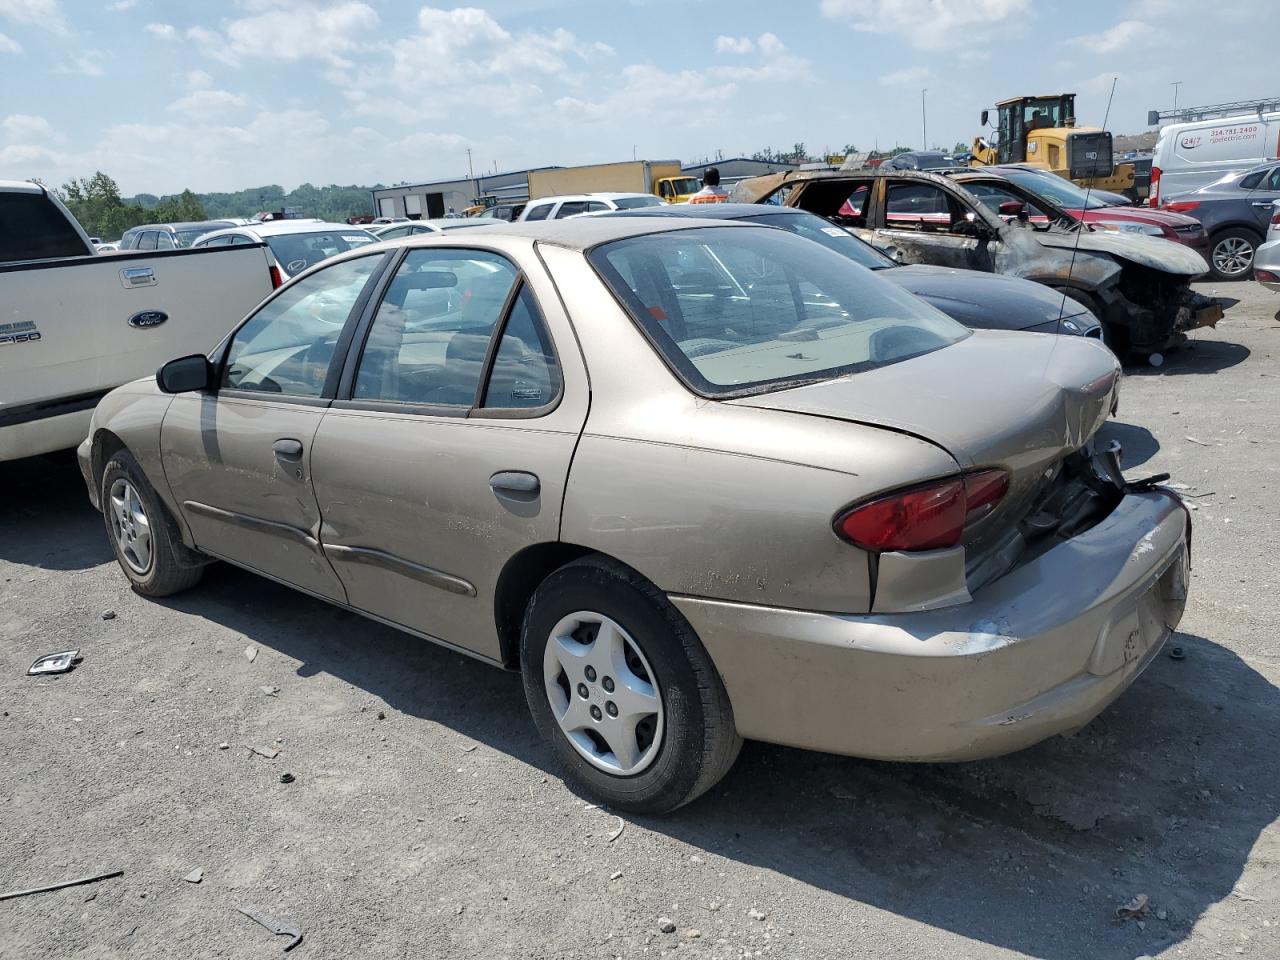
(539, 212)
(571, 208)
(147, 241)
(33, 228)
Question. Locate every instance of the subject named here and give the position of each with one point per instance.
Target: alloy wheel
(1233, 256)
(603, 693)
(130, 525)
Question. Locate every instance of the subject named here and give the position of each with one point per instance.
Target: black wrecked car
(981, 300)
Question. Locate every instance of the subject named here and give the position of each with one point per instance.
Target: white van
(1189, 156)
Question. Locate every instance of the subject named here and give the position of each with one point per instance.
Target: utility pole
(1176, 84)
(924, 120)
(471, 174)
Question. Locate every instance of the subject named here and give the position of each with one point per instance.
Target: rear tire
(143, 536)
(580, 695)
(1231, 253)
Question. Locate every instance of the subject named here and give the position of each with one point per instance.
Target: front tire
(143, 537)
(623, 690)
(1231, 253)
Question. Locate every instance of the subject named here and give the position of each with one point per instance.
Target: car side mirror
(1012, 208)
(185, 374)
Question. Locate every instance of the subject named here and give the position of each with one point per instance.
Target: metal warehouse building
(436, 198)
(737, 168)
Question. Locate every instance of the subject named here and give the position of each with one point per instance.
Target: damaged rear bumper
(1041, 651)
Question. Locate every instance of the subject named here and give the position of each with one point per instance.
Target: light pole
(1176, 84)
(924, 121)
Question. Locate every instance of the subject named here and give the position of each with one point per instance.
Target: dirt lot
(424, 819)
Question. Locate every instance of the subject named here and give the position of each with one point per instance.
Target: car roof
(577, 233)
(182, 225)
(278, 228)
(588, 196)
(710, 211)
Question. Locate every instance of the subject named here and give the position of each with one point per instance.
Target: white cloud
(202, 103)
(122, 5)
(927, 24)
(22, 127)
(908, 77)
(300, 31)
(1124, 36)
(87, 64)
(8, 45)
(165, 31)
(198, 80)
(770, 45)
(735, 45)
(42, 13)
(212, 45)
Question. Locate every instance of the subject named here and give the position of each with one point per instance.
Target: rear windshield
(33, 228)
(297, 251)
(737, 311)
(631, 203)
(185, 236)
(812, 227)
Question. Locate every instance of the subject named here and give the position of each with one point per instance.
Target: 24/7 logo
(1189, 142)
(24, 331)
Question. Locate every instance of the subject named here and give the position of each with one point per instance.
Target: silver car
(696, 480)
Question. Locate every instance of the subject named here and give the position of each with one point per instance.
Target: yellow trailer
(662, 178)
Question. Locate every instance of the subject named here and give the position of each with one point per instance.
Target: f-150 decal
(23, 331)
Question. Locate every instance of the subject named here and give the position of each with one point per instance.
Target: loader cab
(1020, 116)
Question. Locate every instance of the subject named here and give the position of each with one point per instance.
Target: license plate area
(1143, 621)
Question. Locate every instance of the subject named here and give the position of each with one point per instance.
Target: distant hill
(1142, 142)
(332, 202)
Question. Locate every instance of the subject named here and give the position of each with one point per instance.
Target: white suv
(574, 205)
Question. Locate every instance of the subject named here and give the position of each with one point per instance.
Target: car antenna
(1081, 226)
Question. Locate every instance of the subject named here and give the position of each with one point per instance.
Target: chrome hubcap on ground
(603, 693)
(130, 525)
(1233, 256)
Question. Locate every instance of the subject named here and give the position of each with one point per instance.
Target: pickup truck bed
(72, 329)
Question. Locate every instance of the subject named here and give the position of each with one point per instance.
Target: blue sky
(164, 95)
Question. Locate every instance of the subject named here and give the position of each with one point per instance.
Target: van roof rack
(1213, 111)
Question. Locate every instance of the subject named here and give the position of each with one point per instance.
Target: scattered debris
(250, 653)
(1246, 897)
(1162, 914)
(469, 749)
(714, 906)
(54, 663)
(287, 778)
(269, 690)
(615, 875)
(195, 876)
(224, 745)
(1135, 909)
(278, 927)
(269, 752)
(1200, 442)
(693, 933)
(840, 793)
(108, 614)
(695, 859)
(666, 925)
(65, 883)
(1177, 653)
(381, 715)
(755, 914)
(622, 825)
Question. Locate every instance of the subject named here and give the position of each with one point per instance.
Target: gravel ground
(424, 819)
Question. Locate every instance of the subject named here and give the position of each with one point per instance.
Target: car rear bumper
(1039, 652)
(1267, 259)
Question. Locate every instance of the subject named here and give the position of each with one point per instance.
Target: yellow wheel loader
(1042, 132)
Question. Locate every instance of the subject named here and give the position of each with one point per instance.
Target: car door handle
(288, 450)
(515, 481)
(1263, 203)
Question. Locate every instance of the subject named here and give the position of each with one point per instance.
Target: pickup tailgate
(71, 330)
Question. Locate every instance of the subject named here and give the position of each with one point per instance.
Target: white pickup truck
(75, 324)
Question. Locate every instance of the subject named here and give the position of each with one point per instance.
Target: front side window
(920, 206)
(287, 347)
(741, 311)
(147, 241)
(539, 212)
(571, 208)
(430, 337)
(164, 240)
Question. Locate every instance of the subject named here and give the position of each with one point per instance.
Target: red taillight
(276, 279)
(929, 517)
(1275, 219)
(1181, 206)
(1154, 198)
(1265, 276)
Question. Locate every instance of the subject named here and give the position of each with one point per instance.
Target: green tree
(960, 147)
(849, 148)
(798, 153)
(96, 203)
